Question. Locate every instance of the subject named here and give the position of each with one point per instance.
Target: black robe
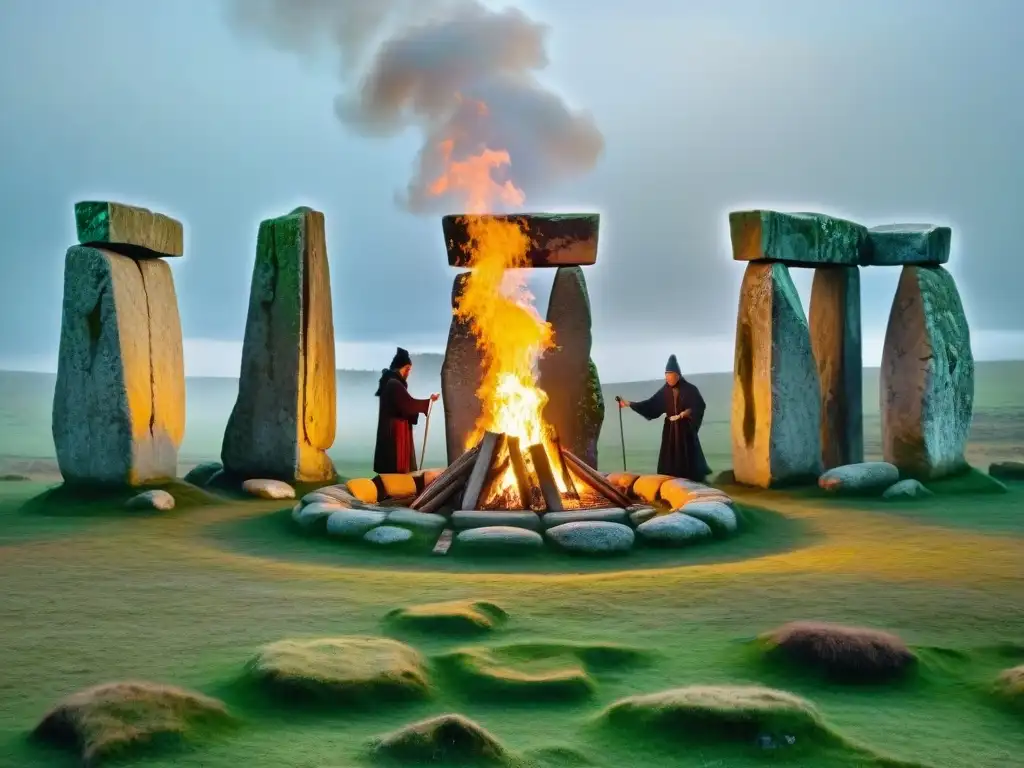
(681, 454)
(395, 452)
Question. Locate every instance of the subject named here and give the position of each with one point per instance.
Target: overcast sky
(879, 110)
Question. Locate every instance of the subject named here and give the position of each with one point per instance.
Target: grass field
(91, 595)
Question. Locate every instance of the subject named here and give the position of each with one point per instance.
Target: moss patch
(342, 669)
(87, 500)
(844, 654)
(115, 719)
(445, 740)
(452, 617)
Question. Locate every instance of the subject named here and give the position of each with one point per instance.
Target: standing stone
(284, 419)
(461, 377)
(119, 400)
(836, 340)
(568, 375)
(927, 377)
(776, 411)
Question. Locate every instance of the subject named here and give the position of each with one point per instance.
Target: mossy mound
(730, 713)
(342, 669)
(115, 719)
(444, 740)
(454, 617)
(1010, 687)
(95, 500)
(534, 671)
(843, 654)
(969, 481)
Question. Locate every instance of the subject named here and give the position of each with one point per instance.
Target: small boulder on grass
(268, 489)
(115, 719)
(906, 489)
(342, 669)
(443, 740)
(451, 617)
(156, 500)
(724, 712)
(867, 478)
(1007, 470)
(846, 654)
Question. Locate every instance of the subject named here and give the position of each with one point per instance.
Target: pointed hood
(672, 366)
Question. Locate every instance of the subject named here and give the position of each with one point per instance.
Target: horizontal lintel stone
(896, 245)
(557, 239)
(128, 230)
(797, 239)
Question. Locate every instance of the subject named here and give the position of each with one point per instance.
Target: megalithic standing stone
(285, 417)
(836, 340)
(119, 400)
(927, 378)
(568, 376)
(776, 412)
(461, 377)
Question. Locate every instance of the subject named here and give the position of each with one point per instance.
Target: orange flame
(498, 307)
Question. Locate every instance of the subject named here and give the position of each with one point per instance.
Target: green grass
(188, 598)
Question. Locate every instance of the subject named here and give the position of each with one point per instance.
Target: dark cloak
(399, 411)
(681, 454)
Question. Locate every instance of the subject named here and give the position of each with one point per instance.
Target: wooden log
(548, 487)
(450, 480)
(490, 454)
(521, 472)
(597, 481)
(570, 486)
(444, 542)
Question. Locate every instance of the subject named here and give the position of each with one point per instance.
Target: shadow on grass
(275, 536)
(87, 501)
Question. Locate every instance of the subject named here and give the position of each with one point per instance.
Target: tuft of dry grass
(848, 654)
(1010, 687)
(111, 719)
(443, 740)
(342, 669)
(450, 617)
(494, 673)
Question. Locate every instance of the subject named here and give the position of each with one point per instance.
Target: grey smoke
(429, 64)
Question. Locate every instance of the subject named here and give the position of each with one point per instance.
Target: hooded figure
(680, 403)
(399, 411)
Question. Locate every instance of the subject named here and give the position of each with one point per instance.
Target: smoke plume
(465, 75)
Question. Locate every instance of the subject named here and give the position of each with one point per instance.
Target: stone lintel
(128, 230)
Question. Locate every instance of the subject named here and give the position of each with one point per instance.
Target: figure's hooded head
(400, 360)
(673, 373)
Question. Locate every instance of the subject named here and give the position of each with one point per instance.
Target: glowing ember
(499, 308)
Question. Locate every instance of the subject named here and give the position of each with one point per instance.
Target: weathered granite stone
(128, 229)
(114, 422)
(623, 480)
(608, 515)
(906, 489)
(411, 518)
(901, 244)
(557, 239)
(679, 491)
(354, 523)
(592, 537)
(836, 341)
(499, 537)
(647, 487)
(268, 489)
(469, 518)
(387, 535)
(461, 377)
(719, 517)
(674, 529)
(641, 515)
(927, 376)
(776, 410)
(1007, 470)
(315, 514)
(799, 239)
(568, 376)
(200, 474)
(284, 419)
(161, 501)
(865, 477)
(318, 497)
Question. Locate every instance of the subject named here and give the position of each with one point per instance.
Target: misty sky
(880, 110)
